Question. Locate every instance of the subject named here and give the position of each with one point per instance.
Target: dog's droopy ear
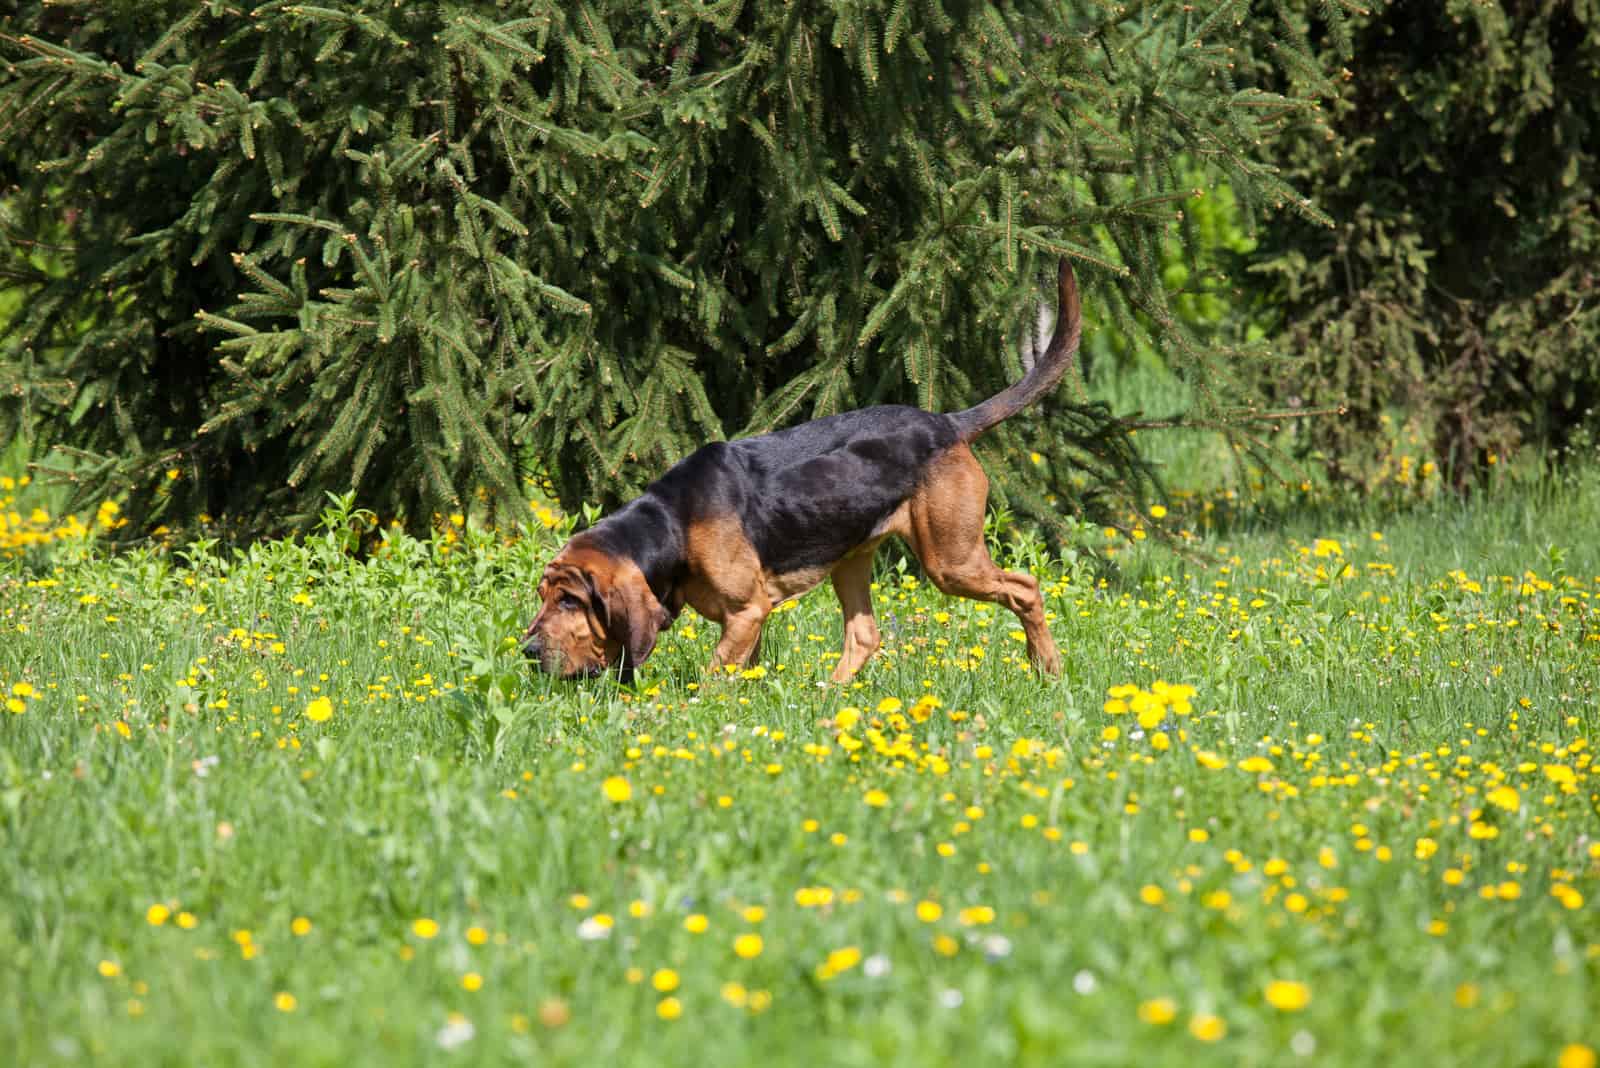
(633, 616)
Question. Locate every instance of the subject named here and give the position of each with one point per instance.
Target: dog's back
(808, 495)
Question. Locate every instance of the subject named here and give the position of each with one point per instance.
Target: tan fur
(946, 533)
(852, 584)
(577, 641)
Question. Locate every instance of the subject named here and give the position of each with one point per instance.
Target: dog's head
(597, 612)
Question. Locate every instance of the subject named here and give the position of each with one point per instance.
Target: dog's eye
(570, 603)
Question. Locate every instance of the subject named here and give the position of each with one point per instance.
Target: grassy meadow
(1320, 791)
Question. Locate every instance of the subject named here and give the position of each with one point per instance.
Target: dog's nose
(533, 648)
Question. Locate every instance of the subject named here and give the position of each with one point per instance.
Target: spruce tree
(1455, 307)
(425, 251)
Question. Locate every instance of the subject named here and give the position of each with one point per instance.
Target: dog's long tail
(1046, 371)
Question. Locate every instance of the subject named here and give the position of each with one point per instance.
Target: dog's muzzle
(547, 661)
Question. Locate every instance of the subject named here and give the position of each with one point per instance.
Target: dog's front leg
(741, 636)
(852, 582)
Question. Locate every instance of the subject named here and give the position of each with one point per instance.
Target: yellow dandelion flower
(616, 789)
(1505, 797)
(839, 960)
(1207, 1027)
(976, 916)
(1576, 1055)
(319, 710)
(669, 1008)
(156, 915)
(1288, 995)
(1560, 774)
(876, 798)
(1158, 1011)
(284, 1001)
(423, 927)
(748, 945)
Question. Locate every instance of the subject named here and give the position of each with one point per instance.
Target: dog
(738, 527)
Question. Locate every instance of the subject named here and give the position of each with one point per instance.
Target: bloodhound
(739, 527)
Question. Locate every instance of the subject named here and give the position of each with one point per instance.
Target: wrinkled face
(569, 637)
(596, 612)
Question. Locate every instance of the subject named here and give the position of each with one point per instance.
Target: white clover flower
(457, 1031)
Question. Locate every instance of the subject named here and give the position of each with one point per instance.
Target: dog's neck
(652, 537)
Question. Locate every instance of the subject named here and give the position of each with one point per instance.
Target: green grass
(1388, 700)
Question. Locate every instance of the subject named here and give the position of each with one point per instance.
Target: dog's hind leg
(946, 533)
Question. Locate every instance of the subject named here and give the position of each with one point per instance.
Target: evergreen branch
(349, 19)
(1057, 247)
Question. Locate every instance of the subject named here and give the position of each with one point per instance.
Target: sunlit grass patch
(1313, 795)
